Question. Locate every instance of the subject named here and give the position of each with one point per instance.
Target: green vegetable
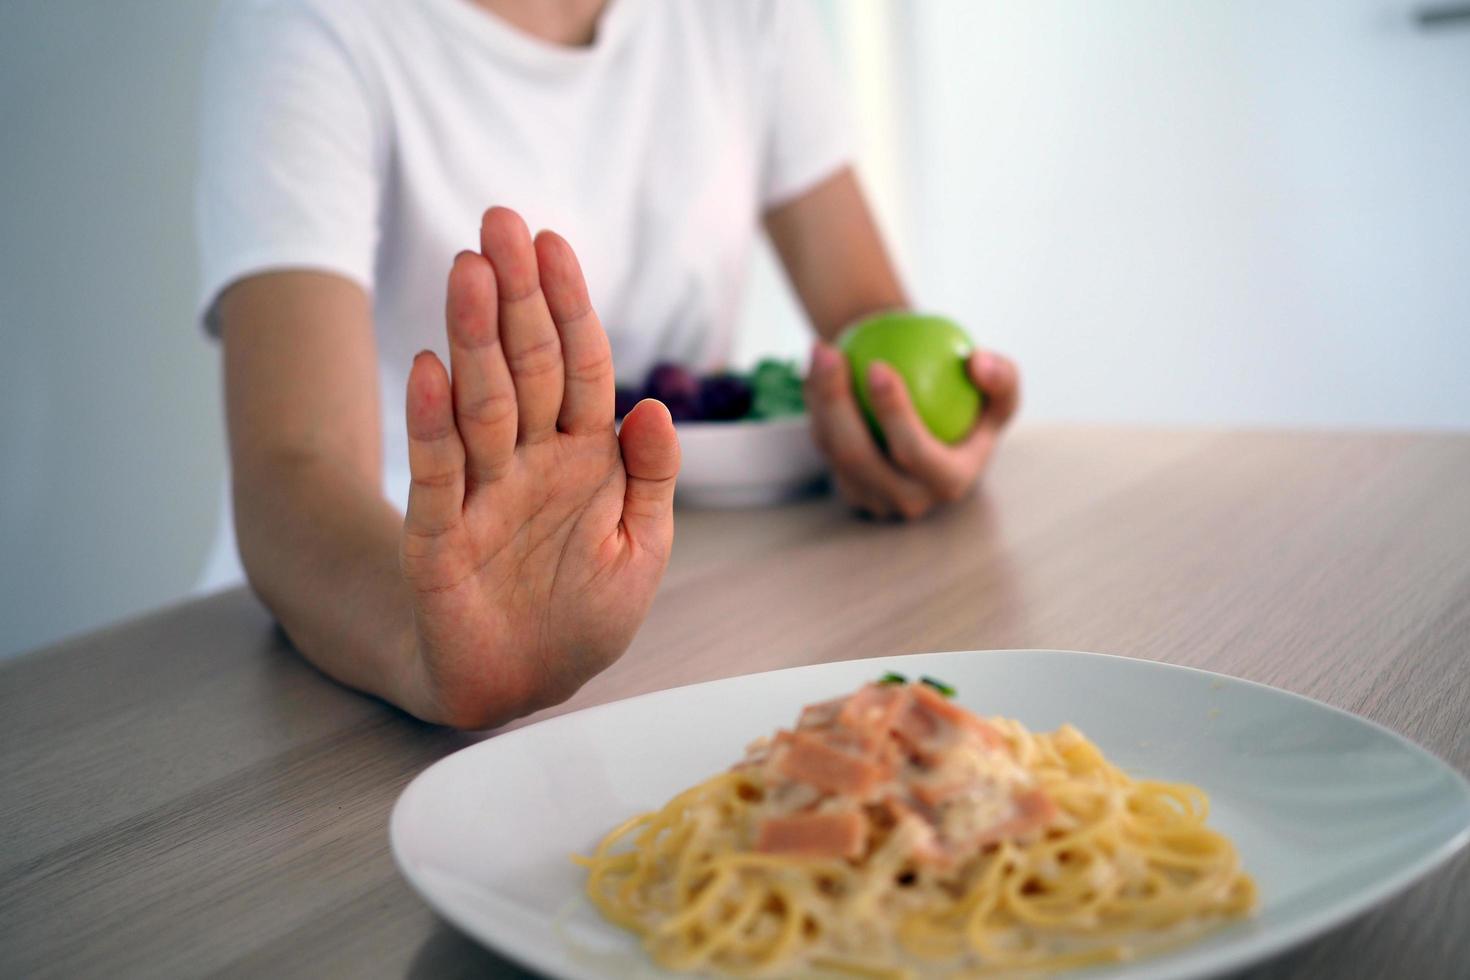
(775, 390)
(939, 686)
(892, 678)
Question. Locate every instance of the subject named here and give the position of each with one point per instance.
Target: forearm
(318, 541)
(834, 256)
(320, 547)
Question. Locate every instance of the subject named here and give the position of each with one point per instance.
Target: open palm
(536, 533)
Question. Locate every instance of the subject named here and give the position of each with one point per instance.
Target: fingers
(946, 473)
(651, 460)
(842, 433)
(587, 404)
(998, 377)
(528, 336)
(484, 395)
(435, 454)
(918, 470)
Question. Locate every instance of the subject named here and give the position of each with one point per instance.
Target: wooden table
(184, 795)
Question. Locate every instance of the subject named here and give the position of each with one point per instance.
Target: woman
(347, 146)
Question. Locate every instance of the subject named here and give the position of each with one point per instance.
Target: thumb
(651, 459)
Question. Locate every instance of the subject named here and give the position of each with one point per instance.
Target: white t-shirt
(366, 137)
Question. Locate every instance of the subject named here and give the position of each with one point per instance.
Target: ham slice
(1034, 810)
(827, 835)
(921, 823)
(873, 710)
(931, 794)
(822, 714)
(931, 716)
(897, 758)
(810, 758)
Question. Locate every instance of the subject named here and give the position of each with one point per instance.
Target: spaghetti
(892, 833)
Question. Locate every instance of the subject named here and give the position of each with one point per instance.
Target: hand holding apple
(921, 388)
(929, 354)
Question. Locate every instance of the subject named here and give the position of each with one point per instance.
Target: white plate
(746, 464)
(1331, 813)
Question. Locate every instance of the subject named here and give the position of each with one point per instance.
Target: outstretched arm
(536, 534)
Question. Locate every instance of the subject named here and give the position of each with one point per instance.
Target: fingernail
(986, 366)
(664, 408)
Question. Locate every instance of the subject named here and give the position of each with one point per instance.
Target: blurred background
(1171, 212)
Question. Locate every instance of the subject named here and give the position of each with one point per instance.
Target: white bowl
(747, 464)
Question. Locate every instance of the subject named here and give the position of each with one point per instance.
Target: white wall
(1178, 211)
(1219, 211)
(1169, 210)
(111, 451)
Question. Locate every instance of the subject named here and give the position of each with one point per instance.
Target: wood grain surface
(183, 795)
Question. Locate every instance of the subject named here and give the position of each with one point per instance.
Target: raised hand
(536, 534)
(917, 472)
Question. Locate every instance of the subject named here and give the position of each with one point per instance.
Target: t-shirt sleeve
(809, 132)
(291, 152)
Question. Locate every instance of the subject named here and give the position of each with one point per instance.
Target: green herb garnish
(892, 678)
(938, 685)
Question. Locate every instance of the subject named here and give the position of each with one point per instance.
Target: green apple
(929, 353)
